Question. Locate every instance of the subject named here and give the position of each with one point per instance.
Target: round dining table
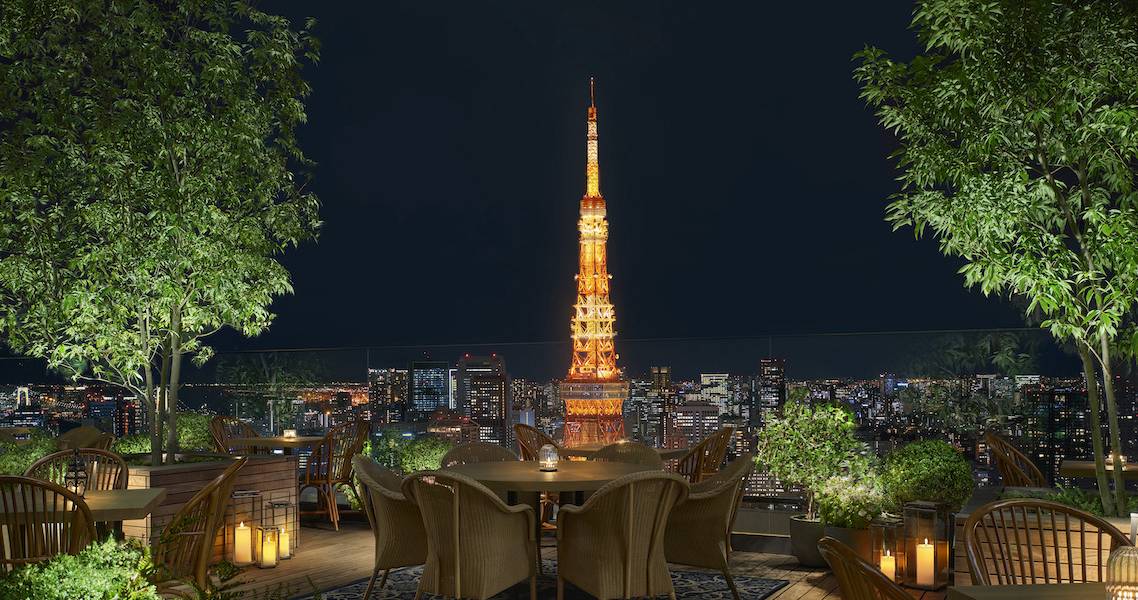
(525, 476)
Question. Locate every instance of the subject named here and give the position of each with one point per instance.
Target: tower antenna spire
(592, 91)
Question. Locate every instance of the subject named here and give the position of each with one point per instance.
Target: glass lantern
(886, 539)
(928, 537)
(1134, 528)
(1122, 574)
(75, 478)
(547, 458)
(268, 546)
(282, 518)
(243, 522)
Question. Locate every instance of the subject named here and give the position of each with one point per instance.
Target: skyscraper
(714, 390)
(387, 395)
(772, 388)
(483, 395)
(594, 392)
(429, 386)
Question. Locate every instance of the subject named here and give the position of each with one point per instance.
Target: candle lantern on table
(282, 518)
(1122, 574)
(243, 521)
(268, 542)
(928, 536)
(75, 478)
(886, 539)
(547, 457)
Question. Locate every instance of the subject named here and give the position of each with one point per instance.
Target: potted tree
(803, 447)
(927, 470)
(847, 505)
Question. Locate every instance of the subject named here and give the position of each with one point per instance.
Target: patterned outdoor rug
(690, 585)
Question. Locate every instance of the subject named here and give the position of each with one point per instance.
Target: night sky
(746, 182)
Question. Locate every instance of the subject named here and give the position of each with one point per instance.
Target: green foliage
(847, 502)
(929, 470)
(150, 182)
(16, 458)
(805, 446)
(226, 570)
(193, 436)
(407, 455)
(103, 571)
(1084, 500)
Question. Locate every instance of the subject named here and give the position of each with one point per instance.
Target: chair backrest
(83, 436)
(105, 470)
(343, 442)
(1028, 541)
(857, 579)
(733, 476)
(105, 441)
(476, 452)
(530, 440)
(703, 459)
(40, 520)
(186, 544)
(224, 428)
(1016, 469)
(395, 520)
(451, 503)
(629, 452)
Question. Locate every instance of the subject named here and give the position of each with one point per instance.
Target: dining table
(1041, 591)
(288, 444)
(108, 508)
(1086, 469)
(588, 450)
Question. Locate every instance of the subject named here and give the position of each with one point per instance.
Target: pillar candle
(242, 545)
(926, 564)
(269, 550)
(889, 565)
(286, 551)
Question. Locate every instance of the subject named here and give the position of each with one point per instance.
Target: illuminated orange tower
(594, 392)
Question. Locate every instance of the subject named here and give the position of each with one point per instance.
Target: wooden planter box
(274, 476)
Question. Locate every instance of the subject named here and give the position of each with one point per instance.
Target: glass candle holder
(547, 457)
(268, 547)
(243, 521)
(282, 517)
(1122, 574)
(886, 541)
(928, 536)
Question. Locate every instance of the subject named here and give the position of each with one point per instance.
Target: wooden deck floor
(331, 559)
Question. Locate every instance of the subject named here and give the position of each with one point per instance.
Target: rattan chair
(224, 428)
(84, 436)
(699, 529)
(629, 452)
(105, 470)
(530, 440)
(40, 520)
(395, 521)
(1028, 541)
(476, 452)
(477, 545)
(1016, 469)
(612, 546)
(704, 459)
(331, 466)
(185, 546)
(857, 579)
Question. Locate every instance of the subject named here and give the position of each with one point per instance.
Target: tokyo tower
(594, 391)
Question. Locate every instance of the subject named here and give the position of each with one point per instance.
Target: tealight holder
(1122, 574)
(547, 457)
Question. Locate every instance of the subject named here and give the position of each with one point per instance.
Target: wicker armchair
(699, 529)
(477, 545)
(83, 436)
(185, 546)
(612, 546)
(395, 521)
(41, 519)
(857, 579)
(224, 428)
(704, 458)
(476, 452)
(1027, 541)
(1016, 469)
(331, 466)
(629, 452)
(530, 440)
(105, 470)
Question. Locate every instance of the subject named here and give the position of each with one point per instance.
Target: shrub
(102, 571)
(807, 445)
(846, 502)
(1084, 500)
(193, 436)
(929, 470)
(16, 458)
(423, 454)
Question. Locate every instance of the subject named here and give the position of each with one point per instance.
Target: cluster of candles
(273, 544)
(926, 564)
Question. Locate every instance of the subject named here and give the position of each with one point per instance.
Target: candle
(889, 565)
(242, 544)
(286, 551)
(1134, 528)
(926, 564)
(269, 549)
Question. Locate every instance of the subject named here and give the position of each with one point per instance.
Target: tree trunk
(1112, 422)
(175, 380)
(156, 445)
(1090, 374)
(152, 408)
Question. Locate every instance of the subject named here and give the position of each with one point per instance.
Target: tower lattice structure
(594, 391)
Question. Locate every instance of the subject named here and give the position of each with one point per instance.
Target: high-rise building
(387, 391)
(772, 389)
(714, 389)
(1056, 426)
(594, 392)
(429, 388)
(661, 398)
(690, 423)
(484, 396)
